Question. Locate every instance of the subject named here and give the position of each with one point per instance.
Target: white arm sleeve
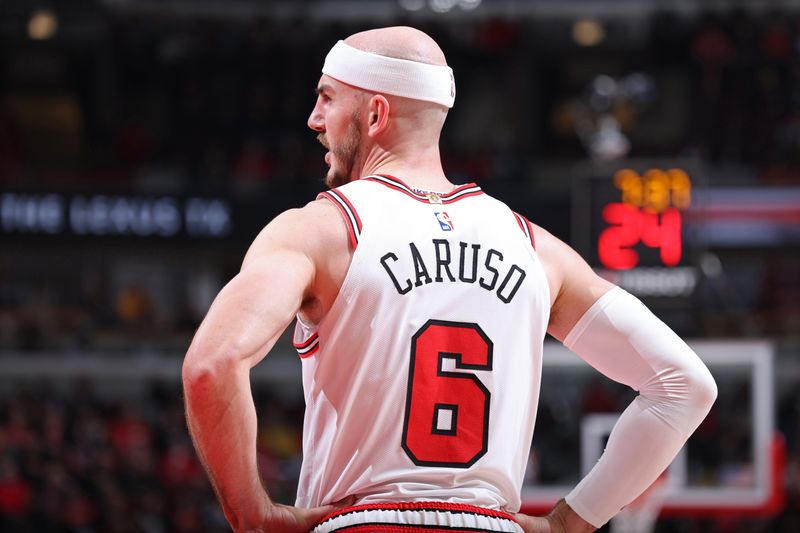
(622, 339)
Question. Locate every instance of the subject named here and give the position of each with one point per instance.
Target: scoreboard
(633, 225)
(647, 214)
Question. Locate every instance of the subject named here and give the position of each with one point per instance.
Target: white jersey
(421, 382)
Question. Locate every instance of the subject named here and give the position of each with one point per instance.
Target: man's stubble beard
(345, 155)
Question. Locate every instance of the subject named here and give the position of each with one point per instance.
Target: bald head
(399, 42)
(384, 96)
(399, 61)
(405, 42)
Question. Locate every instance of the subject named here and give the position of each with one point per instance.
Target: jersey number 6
(447, 413)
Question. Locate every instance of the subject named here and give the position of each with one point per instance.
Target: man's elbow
(703, 389)
(195, 371)
(699, 395)
(204, 367)
(683, 395)
(198, 376)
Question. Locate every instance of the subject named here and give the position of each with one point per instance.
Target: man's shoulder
(308, 227)
(298, 219)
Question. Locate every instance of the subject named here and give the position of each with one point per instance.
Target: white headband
(400, 77)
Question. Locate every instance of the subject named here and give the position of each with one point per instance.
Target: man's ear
(377, 115)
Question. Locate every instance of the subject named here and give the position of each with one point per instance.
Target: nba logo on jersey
(444, 221)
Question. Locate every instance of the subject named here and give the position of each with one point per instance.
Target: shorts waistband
(408, 517)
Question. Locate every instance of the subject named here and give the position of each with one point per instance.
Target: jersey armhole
(347, 210)
(525, 226)
(305, 339)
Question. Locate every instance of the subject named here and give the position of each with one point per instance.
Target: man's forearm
(222, 421)
(620, 337)
(640, 447)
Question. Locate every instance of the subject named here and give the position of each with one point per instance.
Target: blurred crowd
(119, 304)
(747, 87)
(74, 461)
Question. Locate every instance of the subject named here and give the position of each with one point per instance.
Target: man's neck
(422, 172)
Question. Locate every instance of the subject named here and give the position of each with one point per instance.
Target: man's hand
(287, 519)
(535, 524)
(562, 519)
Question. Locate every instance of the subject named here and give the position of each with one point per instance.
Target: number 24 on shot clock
(649, 214)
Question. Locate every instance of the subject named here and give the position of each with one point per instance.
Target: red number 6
(447, 413)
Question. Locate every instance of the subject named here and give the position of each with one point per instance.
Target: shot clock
(648, 214)
(634, 225)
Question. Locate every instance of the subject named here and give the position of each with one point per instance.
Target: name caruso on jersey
(453, 262)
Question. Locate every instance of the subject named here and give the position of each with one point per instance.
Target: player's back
(421, 382)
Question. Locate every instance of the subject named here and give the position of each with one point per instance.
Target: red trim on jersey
(351, 229)
(303, 349)
(309, 353)
(525, 226)
(519, 221)
(306, 342)
(420, 506)
(530, 230)
(461, 197)
(353, 209)
(462, 191)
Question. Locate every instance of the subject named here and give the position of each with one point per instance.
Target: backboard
(731, 465)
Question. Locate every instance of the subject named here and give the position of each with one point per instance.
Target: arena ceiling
(387, 9)
(85, 21)
(332, 10)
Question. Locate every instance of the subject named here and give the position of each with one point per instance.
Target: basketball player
(421, 311)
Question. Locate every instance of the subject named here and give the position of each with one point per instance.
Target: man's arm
(613, 332)
(247, 317)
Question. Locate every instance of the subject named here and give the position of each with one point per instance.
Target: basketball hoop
(695, 487)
